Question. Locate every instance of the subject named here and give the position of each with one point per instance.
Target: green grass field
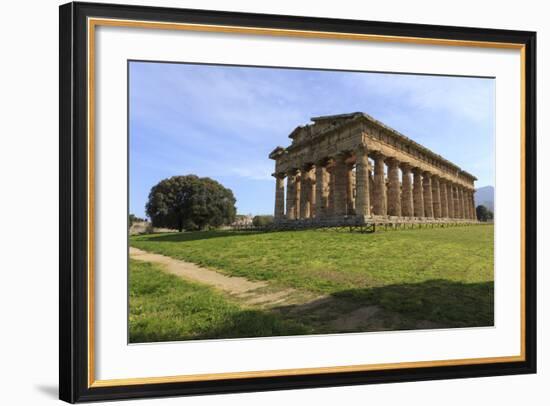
(164, 307)
(443, 275)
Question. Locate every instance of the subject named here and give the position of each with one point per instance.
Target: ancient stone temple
(353, 169)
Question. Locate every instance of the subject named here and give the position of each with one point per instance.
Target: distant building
(141, 227)
(242, 220)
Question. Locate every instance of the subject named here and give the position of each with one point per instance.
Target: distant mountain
(485, 196)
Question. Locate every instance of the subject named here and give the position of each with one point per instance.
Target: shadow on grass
(451, 304)
(432, 304)
(436, 303)
(247, 323)
(194, 235)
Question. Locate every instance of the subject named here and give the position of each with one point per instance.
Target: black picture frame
(74, 199)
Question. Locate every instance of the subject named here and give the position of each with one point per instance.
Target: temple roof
(339, 120)
(337, 116)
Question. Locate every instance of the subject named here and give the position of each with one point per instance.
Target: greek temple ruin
(353, 169)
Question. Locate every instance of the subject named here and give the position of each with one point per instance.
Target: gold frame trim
(94, 22)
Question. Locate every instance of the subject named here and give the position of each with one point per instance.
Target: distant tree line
(262, 221)
(132, 219)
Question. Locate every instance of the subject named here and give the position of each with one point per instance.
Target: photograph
(272, 201)
(257, 202)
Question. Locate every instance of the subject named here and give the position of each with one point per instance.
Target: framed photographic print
(256, 202)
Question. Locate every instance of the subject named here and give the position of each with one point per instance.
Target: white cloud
(468, 98)
(255, 171)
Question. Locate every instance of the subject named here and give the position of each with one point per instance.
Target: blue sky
(223, 121)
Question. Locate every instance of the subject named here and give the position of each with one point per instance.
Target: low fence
(365, 227)
(246, 227)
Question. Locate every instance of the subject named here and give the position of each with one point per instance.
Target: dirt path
(188, 270)
(256, 293)
(339, 315)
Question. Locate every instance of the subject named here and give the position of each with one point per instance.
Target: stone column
(474, 213)
(305, 192)
(291, 195)
(380, 207)
(451, 197)
(428, 202)
(470, 208)
(460, 197)
(297, 205)
(466, 204)
(312, 194)
(456, 202)
(436, 197)
(321, 198)
(362, 202)
(458, 213)
(371, 189)
(472, 205)
(298, 195)
(443, 198)
(451, 200)
(279, 196)
(340, 185)
(350, 188)
(418, 195)
(330, 208)
(407, 204)
(394, 188)
(467, 208)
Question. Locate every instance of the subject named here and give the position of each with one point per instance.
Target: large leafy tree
(190, 203)
(483, 213)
